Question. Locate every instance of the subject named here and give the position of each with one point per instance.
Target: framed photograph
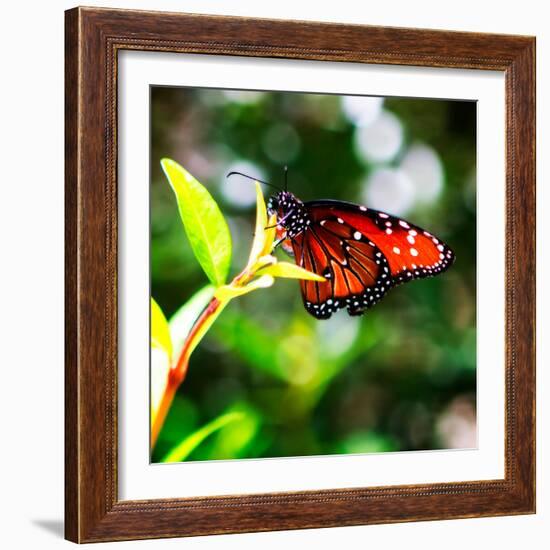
(300, 275)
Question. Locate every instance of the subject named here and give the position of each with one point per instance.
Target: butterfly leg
(280, 223)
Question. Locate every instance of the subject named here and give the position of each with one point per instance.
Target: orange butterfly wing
(362, 253)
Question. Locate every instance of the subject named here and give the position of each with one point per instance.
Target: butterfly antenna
(286, 178)
(253, 179)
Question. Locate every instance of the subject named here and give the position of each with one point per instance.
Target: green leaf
(235, 440)
(203, 221)
(192, 441)
(182, 321)
(160, 332)
(367, 442)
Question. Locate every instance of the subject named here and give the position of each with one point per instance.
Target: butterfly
(362, 253)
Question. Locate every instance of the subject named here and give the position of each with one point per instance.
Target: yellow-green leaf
(236, 437)
(263, 238)
(227, 292)
(203, 221)
(160, 332)
(160, 371)
(192, 441)
(290, 271)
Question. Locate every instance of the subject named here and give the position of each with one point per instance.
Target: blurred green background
(401, 377)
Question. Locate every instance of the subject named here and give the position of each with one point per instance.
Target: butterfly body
(361, 252)
(292, 214)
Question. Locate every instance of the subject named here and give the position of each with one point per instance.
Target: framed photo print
(300, 275)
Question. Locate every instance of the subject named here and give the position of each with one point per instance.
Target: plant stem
(180, 367)
(199, 329)
(163, 409)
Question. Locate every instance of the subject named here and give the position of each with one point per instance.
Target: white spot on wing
(357, 236)
(414, 252)
(396, 250)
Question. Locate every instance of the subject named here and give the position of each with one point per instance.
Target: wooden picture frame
(93, 511)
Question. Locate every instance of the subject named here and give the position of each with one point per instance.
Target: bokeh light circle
(423, 166)
(238, 190)
(381, 140)
(281, 143)
(361, 110)
(389, 190)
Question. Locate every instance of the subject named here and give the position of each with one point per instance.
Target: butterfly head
(291, 212)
